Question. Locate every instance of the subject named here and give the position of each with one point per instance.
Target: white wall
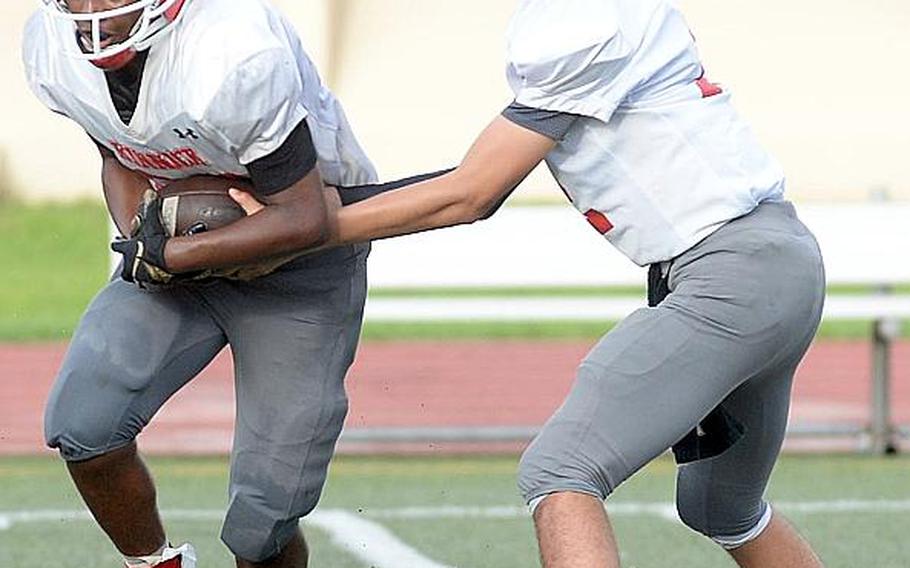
(44, 154)
(824, 82)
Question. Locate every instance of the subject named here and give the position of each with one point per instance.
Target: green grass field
(463, 511)
(55, 258)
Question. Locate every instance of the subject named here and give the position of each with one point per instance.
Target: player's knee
(80, 435)
(256, 530)
(730, 524)
(264, 512)
(81, 438)
(542, 472)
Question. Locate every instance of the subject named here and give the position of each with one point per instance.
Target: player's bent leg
(132, 350)
(629, 404)
(635, 395)
(722, 497)
(293, 335)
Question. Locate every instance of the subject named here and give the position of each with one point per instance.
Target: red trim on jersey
(172, 563)
(599, 221)
(708, 89)
(174, 11)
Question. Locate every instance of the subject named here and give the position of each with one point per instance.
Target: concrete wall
(824, 82)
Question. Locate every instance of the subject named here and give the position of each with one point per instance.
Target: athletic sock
(145, 561)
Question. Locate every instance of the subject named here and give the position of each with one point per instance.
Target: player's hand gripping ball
(183, 208)
(143, 251)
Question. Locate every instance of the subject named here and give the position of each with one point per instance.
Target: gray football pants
(293, 335)
(742, 309)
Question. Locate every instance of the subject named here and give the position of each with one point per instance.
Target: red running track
(493, 383)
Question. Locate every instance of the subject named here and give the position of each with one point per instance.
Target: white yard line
(843, 506)
(358, 534)
(10, 518)
(369, 541)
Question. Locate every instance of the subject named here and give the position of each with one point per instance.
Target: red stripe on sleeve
(708, 89)
(599, 221)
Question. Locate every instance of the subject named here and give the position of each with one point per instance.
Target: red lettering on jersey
(178, 159)
(708, 89)
(190, 157)
(160, 161)
(143, 160)
(599, 221)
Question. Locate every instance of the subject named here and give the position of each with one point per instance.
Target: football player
(613, 96)
(169, 89)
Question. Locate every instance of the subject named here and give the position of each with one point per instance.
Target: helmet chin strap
(116, 61)
(112, 62)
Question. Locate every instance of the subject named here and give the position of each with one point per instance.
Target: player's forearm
(123, 191)
(276, 231)
(444, 201)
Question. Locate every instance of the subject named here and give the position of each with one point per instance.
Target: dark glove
(143, 252)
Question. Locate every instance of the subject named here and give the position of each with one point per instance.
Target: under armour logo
(188, 133)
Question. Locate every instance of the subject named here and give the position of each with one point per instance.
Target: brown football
(200, 203)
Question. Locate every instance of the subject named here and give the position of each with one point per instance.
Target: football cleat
(182, 557)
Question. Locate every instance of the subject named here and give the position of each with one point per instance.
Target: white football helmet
(156, 18)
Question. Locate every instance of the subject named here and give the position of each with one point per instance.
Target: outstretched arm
(499, 160)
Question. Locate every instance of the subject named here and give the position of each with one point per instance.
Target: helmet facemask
(155, 19)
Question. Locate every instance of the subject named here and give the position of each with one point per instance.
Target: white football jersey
(224, 88)
(659, 159)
